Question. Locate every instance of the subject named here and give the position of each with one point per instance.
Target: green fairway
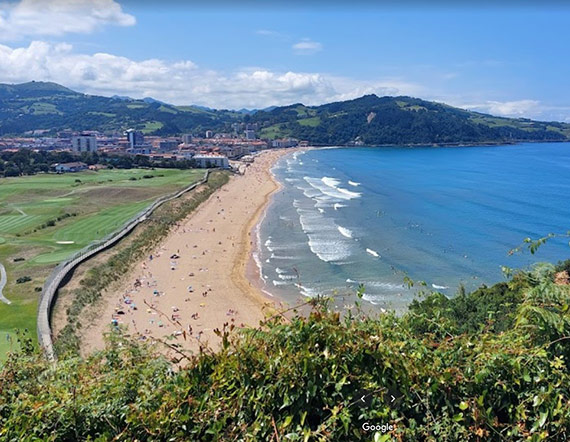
(47, 217)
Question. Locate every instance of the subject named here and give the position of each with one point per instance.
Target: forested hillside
(49, 106)
(369, 120)
(376, 120)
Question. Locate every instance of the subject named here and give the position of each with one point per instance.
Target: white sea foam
(354, 183)
(287, 277)
(280, 271)
(321, 210)
(284, 257)
(345, 232)
(329, 187)
(258, 264)
(373, 253)
(306, 291)
(323, 237)
(370, 299)
(331, 182)
(351, 281)
(276, 283)
(310, 192)
(439, 287)
(339, 206)
(385, 286)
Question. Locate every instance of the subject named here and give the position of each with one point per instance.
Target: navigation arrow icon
(362, 398)
(393, 398)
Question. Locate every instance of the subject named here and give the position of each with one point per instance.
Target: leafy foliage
(303, 378)
(376, 120)
(49, 106)
(27, 162)
(370, 119)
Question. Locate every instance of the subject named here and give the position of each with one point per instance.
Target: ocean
(444, 216)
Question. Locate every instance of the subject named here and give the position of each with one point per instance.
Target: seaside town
(207, 149)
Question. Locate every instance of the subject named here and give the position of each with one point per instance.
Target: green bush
(23, 279)
(302, 379)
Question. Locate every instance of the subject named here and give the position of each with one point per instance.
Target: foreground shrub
(302, 379)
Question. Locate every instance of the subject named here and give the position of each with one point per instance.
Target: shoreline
(154, 300)
(253, 268)
(246, 270)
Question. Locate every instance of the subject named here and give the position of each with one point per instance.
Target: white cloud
(516, 108)
(526, 108)
(58, 17)
(307, 47)
(182, 82)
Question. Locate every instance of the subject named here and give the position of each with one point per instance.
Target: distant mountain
(247, 111)
(373, 120)
(41, 105)
(254, 111)
(122, 97)
(152, 100)
(368, 120)
(33, 89)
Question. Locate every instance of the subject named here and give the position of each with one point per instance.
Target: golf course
(45, 218)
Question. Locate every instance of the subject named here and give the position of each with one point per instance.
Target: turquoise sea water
(446, 216)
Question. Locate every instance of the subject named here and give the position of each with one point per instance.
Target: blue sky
(509, 61)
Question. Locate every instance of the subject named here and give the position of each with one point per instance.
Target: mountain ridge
(368, 120)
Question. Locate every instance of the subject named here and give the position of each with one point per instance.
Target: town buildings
(211, 160)
(210, 150)
(70, 167)
(84, 143)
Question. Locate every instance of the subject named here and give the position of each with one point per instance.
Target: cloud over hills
(58, 17)
(181, 82)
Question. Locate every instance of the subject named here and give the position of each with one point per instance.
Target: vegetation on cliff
(490, 365)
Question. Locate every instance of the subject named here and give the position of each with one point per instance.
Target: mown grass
(83, 207)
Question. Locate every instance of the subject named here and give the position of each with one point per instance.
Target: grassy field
(311, 121)
(47, 217)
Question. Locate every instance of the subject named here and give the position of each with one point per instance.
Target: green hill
(49, 106)
(368, 120)
(374, 120)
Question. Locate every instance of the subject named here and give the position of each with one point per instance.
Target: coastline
(155, 300)
(246, 272)
(253, 267)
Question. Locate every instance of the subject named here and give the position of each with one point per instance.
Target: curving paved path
(3, 280)
(58, 274)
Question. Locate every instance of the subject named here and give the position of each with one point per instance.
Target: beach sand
(195, 280)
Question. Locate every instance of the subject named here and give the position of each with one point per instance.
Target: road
(3, 280)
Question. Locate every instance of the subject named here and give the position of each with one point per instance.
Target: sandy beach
(195, 280)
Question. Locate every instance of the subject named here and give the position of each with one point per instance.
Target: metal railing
(59, 273)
